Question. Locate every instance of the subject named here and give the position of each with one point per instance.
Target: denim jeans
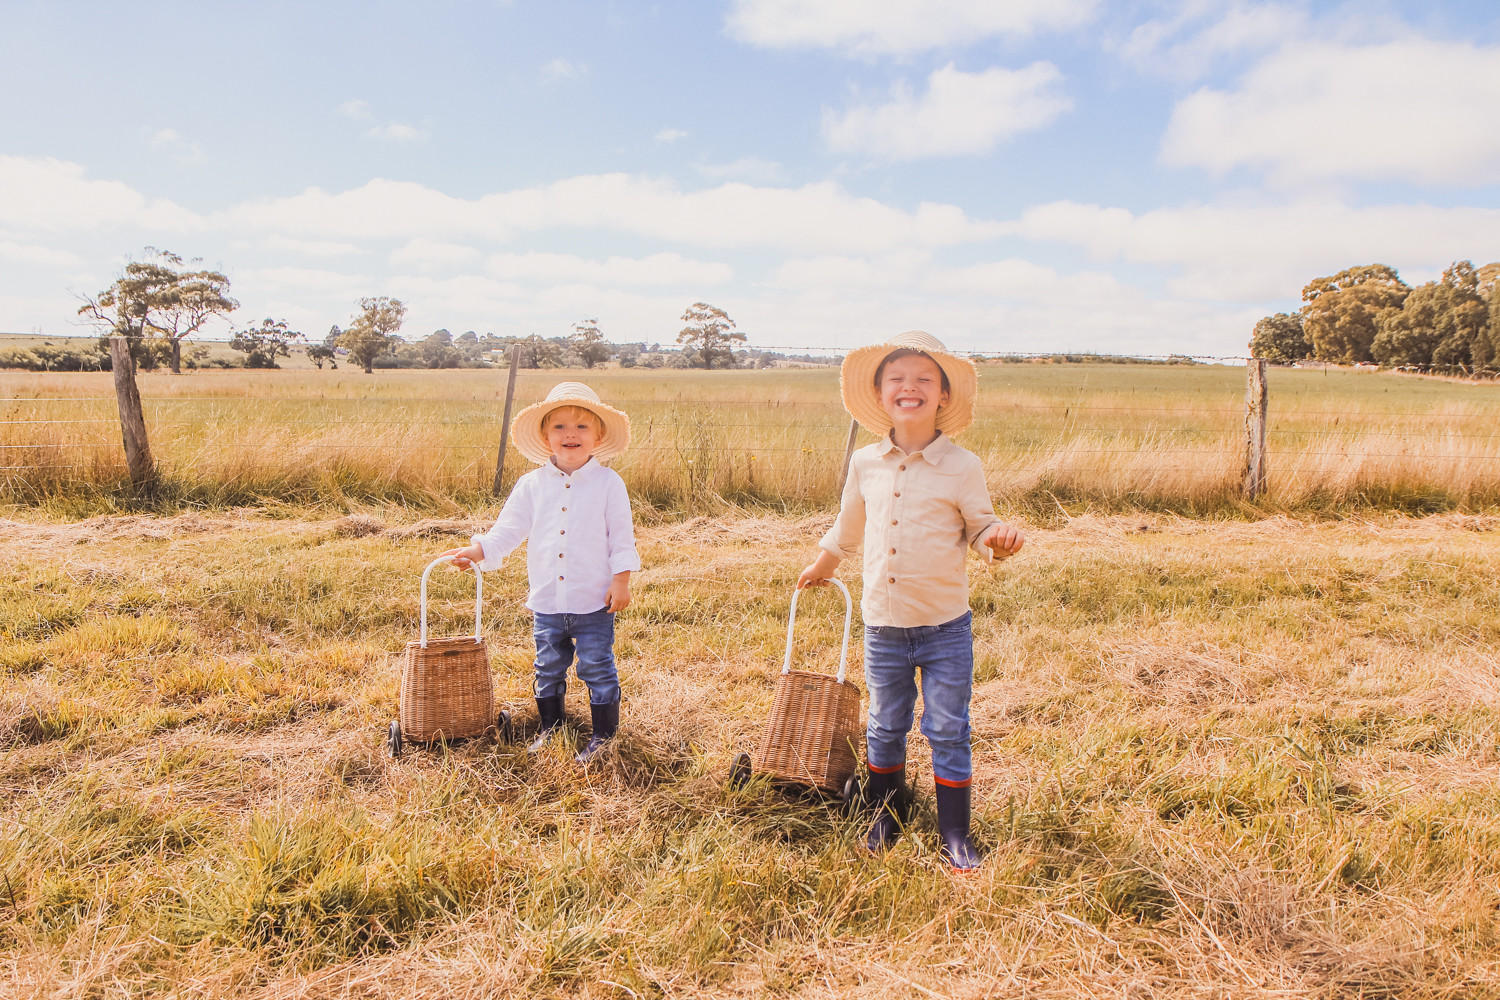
(593, 636)
(945, 656)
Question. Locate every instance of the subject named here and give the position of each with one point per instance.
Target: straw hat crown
(526, 428)
(862, 398)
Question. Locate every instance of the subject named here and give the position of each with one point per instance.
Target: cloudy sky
(1144, 177)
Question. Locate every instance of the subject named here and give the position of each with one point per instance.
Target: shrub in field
(46, 358)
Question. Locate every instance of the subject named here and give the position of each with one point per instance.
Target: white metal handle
(791, 621)
(478, 597)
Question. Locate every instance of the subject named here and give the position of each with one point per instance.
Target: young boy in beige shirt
(917, 502)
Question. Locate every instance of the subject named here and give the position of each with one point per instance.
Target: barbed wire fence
(823, 439)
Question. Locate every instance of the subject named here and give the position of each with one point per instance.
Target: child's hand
(465, 557)
(1003, 540)
(820, 572)
(617, 597)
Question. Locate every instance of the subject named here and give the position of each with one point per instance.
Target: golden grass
(1239, 759)
(1106, 437)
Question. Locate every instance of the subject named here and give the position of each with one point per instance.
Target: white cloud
(747, 168)
(670, 135)
(657, 269)
(432, 255)
(41, 193)
(814, 217)
(897, 26)
(396, 132)
(1255, 252)
(1200, 33)
(1413, 110)
(310, 248)
(169, 141)
(22, 253)
(562, 69)
(961, 114)
(356, 109)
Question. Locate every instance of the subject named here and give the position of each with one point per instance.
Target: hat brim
(526, 429)
(862, 399)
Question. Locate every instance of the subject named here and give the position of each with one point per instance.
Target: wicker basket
(447, 692)
(813, 734)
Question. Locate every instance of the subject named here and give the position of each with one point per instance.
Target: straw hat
(526, 429)
(862, 399)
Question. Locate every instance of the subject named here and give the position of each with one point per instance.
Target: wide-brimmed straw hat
(526, 429)
(862, 399)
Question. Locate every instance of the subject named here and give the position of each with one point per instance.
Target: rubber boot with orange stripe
(953, 826)
(887, 792)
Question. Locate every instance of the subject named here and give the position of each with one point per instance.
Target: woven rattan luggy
(447, 691)
(814, 731)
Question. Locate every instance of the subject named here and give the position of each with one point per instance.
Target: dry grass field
(1215, 758)
(1080, 437)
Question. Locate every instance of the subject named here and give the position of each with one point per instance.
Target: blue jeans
(593, 636)
(945, 655)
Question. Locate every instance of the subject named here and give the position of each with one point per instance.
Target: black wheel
(503, 731)
(393, 741)
(740, 771)
(853, 795)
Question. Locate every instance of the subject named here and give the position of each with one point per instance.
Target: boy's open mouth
(908, 403)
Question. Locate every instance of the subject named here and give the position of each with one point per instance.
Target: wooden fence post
(132, 419)
(848, 454)
(1256, 397)
(510, 395)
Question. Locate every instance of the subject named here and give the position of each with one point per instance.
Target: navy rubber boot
(953, 828)
(887, 792)
(606, 719)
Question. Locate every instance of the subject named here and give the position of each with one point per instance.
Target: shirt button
(559, 555)
(903, 468)
(898, 493)
(559, 578)
(893, 522)
(893, 551)
(567, 486)
(565, 510)
(890, 579)
(563, 532)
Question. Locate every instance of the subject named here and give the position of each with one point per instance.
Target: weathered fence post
(1255, 428)
(510, 395)
(132, 419)
(848, 454)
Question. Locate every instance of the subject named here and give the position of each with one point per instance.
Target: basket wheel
(393, 739)
(853, 795)
(503, 729)
(740, 771)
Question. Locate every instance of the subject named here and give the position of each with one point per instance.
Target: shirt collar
(582, 472)
(932, 454)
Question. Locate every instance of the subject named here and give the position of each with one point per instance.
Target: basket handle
(478, 597)
(786, 662)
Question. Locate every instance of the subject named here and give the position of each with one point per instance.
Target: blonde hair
(568, 411)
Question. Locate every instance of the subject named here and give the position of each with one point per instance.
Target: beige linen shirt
(915, 514)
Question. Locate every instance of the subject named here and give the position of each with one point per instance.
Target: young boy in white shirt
(916, 502)
(574, 515)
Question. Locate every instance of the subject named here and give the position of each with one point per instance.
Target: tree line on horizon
(159, 301)
(1368, 315)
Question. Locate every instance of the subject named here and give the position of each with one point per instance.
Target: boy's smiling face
(572, 433)
(911, 390)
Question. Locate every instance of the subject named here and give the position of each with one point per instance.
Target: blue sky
(1020, 175)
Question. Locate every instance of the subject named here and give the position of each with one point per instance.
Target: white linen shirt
(578, 533)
